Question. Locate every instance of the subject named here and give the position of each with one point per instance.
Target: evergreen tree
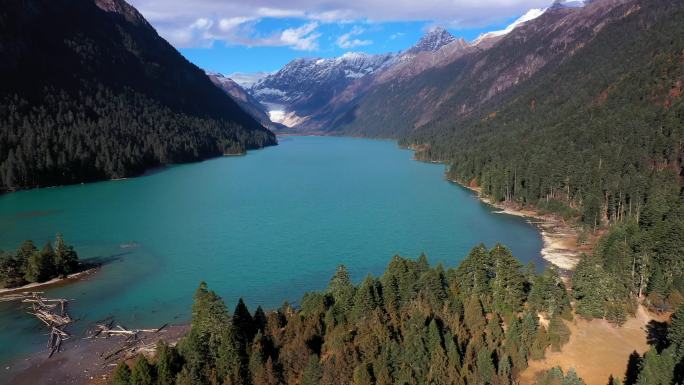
(474, 318)
(657, 369)
(122, 375)
(341, 289)
(142, 372)
(65, 258)
(675, 334)
(559, 334)
(312, 372)
(508, 282)
(168, 364)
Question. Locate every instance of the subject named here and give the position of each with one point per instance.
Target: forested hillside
(89, 91)
(416, 324)
(599, 138)
(474, 324)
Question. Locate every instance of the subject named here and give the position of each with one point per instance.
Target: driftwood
(133, 344)
(51, 311)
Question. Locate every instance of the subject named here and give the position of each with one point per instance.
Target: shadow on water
(100, 261)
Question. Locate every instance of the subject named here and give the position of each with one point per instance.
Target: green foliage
(408, 326)
(341, 290)
(142, 372)
(493, 276)
(663, 364)
(168, 364)
(555, 376)
(559, 333)
(28, 264)
(549, 294)
(657, 368)
(675, 334)
(122, 374)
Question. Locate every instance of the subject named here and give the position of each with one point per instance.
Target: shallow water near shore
(267, 227)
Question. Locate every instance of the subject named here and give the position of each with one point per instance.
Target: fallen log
(51, 311)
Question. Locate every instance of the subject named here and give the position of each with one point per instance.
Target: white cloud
(203, 32)
(201, 22)
(231, 23)
(279, 12)
(348, 41)
(303, 38)
(397, 35)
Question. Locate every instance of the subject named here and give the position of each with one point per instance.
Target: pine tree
(243, 323)
(366, 299)
(363, 375)
(65, 258)
(39, 267)
(485, 366)
(474, 318)
(657, 369)
(231, 361)
(558, 333)
(341, 289)
(142, 372)
(312, 372)
(168, 364)
(508, 282)
(122, 375)
(675, 333)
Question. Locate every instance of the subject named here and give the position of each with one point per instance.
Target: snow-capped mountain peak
(306, 82)
(432, 41)
(530, 15)
(569, 3)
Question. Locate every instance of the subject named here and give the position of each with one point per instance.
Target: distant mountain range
(305, 90)
(312, 94)
(440, 76)
(90, 91)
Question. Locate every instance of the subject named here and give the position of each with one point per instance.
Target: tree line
(416, 324)
(603, 148)
(30, 265)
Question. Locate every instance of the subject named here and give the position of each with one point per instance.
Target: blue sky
(249, 36)
(226, 57)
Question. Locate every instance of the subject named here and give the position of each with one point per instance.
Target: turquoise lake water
(267, 226)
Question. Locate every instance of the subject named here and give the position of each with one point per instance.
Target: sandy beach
(561, 246)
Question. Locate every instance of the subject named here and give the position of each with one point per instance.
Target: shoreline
(560, 240)
(84, 359)
(53, 282)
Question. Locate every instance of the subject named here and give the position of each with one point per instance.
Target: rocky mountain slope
(306, 89)
(90, 91)
(244, 99)
(481, 76)
(305, 85)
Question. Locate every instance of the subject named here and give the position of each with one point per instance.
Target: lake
(267, 227)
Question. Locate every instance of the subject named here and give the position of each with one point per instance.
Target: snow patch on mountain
(569, 3)
(530, 15)
(432, 41)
